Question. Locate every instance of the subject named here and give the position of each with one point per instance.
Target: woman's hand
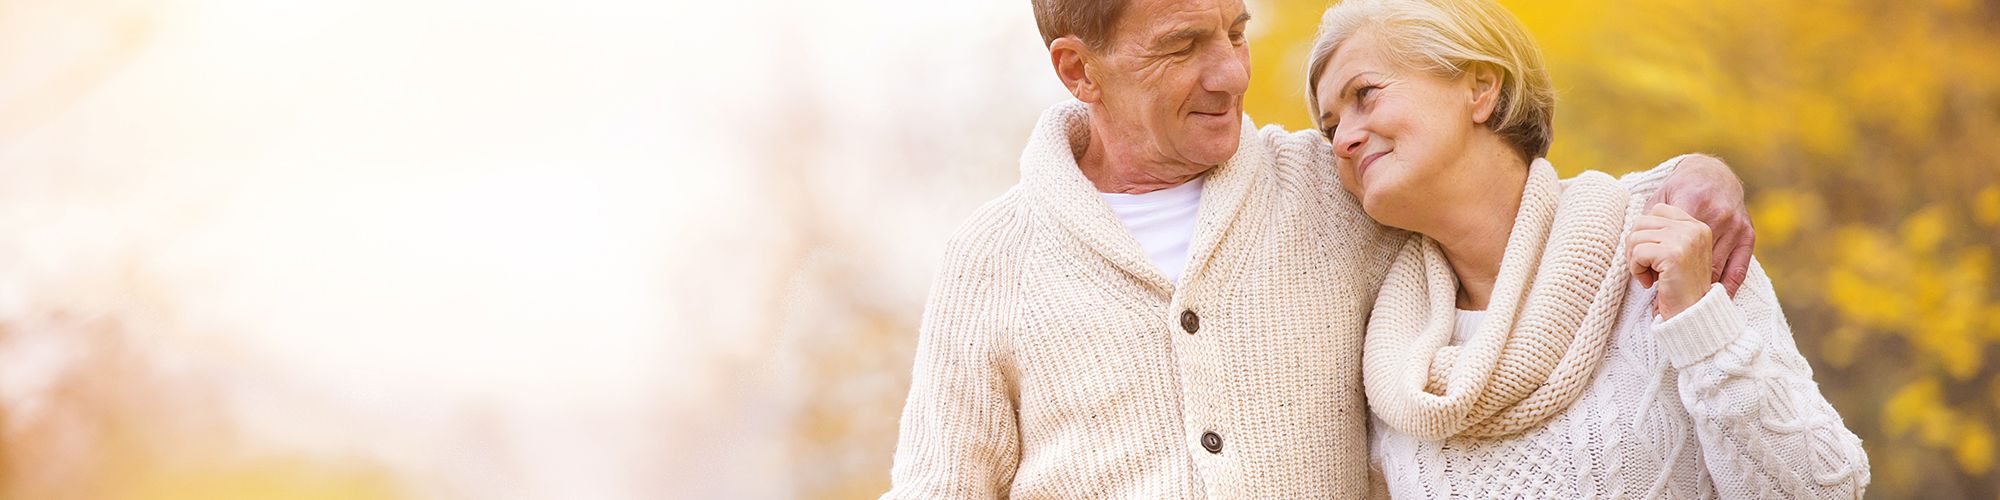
(1704, 186)
(1669, 251)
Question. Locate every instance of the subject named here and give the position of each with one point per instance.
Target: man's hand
(1705, 188)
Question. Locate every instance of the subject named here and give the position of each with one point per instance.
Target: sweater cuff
(1701, 330)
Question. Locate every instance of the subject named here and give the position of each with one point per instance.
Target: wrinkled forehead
(1146, 22)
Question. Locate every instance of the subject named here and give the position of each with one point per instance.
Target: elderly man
(1171, 303)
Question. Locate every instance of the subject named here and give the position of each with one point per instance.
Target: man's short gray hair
(1089, 20)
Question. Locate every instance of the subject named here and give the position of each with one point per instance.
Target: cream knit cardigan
(1716, 402)
(1054, 361)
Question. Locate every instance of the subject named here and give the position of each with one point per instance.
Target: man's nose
(1228, 72)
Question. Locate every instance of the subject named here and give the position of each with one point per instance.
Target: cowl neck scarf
(1554, 305)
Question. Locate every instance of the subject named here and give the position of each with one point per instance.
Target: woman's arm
(1765, 429)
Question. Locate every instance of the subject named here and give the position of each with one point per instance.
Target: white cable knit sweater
(1713, 403)
(1054, 361)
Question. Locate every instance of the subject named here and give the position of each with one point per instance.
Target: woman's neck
(1473, 229)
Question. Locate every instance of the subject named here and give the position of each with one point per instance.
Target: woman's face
(1398, 135)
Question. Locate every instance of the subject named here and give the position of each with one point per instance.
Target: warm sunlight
(435, 249)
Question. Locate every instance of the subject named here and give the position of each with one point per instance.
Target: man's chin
(1215, 152)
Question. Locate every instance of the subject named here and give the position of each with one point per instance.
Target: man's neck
(1120, 170)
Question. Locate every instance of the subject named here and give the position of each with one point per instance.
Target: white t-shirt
(1163, 222)
(1468, 323)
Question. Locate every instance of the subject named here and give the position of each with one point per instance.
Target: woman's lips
(1366, 161)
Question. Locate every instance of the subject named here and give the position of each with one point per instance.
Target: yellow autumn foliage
(1868, 136)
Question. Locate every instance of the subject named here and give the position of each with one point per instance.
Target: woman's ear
(1485, 85)
(1070, 57)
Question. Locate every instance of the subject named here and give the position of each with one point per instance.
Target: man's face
(1173, 78)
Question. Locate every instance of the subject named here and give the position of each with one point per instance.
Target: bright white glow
(513, 249)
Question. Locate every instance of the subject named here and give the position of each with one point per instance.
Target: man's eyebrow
(1175, 37)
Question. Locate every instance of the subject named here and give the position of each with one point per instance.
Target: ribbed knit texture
(1554, 300)
(1052, 361)
(1714, 403)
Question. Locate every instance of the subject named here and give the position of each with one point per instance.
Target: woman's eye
(1362, 93)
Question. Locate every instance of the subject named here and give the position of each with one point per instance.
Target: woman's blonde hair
(1447, 38)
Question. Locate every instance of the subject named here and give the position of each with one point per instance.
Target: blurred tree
(91, 409)
(111, 421)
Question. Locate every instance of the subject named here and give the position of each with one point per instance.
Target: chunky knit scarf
(1554, 304)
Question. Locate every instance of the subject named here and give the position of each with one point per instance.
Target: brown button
(1190, 322)
(1211, 441)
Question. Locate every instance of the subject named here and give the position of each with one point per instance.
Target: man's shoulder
(999, 225)
(1302, 162)
(1297, 149)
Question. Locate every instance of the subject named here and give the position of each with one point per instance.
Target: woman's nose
(1347, 143)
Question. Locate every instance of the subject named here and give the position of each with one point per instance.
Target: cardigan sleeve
(1305, 162)
(1765, 429)
(959, 435)
(1643, 184)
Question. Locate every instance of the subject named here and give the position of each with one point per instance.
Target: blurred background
(447, 249)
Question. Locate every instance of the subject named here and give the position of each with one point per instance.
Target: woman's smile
(1361, 170)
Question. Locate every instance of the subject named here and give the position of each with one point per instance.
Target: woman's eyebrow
(1349, 84)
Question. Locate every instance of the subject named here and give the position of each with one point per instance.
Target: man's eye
(1236, 37)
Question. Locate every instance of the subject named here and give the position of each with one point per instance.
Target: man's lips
(1366, 161)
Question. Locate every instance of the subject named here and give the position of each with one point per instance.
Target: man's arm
(959, 436)
(1704, 187)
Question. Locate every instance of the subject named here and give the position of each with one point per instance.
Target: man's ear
(1071, 59)
(1485, 85)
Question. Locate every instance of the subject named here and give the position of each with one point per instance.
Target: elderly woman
(1546, 339)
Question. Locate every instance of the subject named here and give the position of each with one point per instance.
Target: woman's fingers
(1731, 241)
(1650, 232)
(1650, 221)
(1644, 262)
(1669, 212)
(1669, 251)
